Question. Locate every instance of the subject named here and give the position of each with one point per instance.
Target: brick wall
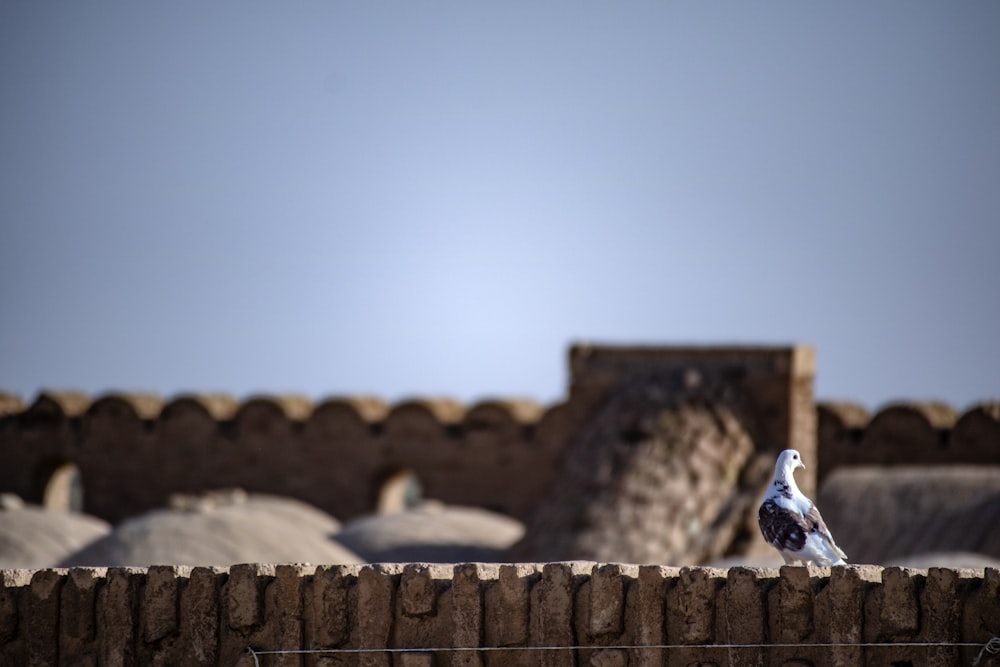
(133, 451)
(907, 433)
(204, 616)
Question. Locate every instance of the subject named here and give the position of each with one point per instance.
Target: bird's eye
(795, 456)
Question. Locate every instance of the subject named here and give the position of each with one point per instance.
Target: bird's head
(789, 460)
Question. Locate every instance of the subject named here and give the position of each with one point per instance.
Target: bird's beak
(802, 465)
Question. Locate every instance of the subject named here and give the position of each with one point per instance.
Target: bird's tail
(832, 548)
(837, 550)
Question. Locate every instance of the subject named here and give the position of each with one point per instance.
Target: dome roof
(432, 533)
(32, 537)
(894, 514)
(952, 559)
(220, 529)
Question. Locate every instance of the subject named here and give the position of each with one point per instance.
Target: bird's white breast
(797, 503)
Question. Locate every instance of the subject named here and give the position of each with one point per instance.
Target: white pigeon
(791, 523)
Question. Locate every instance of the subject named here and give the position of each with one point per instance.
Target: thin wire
(992, 646)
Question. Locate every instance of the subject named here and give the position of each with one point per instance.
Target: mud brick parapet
(771, 388)
(910, 433)
(132, 451)
(206, 616)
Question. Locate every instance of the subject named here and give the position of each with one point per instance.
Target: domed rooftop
(32, 537)
(896, 514)
(221, 528)
(432, 533)
(952, 559)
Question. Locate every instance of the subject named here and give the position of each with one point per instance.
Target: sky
(438, 198)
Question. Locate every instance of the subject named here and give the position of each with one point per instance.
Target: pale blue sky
(437, 198)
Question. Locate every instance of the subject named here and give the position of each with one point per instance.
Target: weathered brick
(78, 613)
(900, 611)
(695, 606)
(244, 595)
(284, 610)
(12, 583)
(244, 598)
(415, 660)
(160, 601)
(199, 616)
(41, 620)
(645, 613)
(507, 608)
(326, 606)
(609, 658)
(375, 591)
(744, 616)
(117, 616)
(466, 614)
(552, 613)
(607, 601)
(846, 617)
(942, 614)
(795, 603)
(417, 591)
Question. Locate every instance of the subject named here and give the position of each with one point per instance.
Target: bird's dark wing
(782, 528)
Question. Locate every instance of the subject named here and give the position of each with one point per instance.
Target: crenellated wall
(134, 450)
(907, 433)
(205, 616)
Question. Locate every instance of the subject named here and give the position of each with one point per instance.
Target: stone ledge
(207, 616)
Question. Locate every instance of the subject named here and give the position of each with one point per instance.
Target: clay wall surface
(770, 387)
(907, 434)
(204, 616)
(134, 451)
(652, 479)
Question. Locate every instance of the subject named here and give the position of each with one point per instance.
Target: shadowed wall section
(133, 451)
(673, 450)
(908, 434)
(205, 616)
(655, 478)
(910, 510)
